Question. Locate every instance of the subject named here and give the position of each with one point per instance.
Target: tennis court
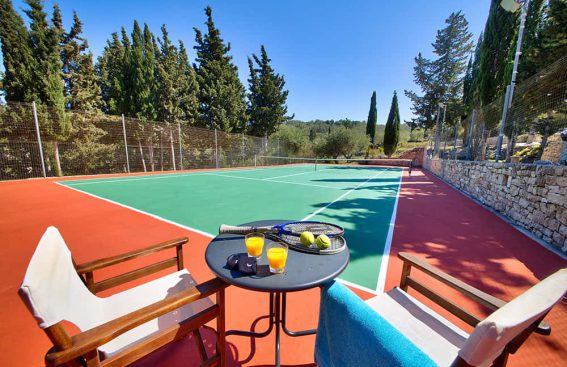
(362, 199)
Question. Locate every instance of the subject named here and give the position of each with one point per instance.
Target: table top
(303, 270)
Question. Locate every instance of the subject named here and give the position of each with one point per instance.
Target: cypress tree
(372, 118)
(553, 33)
(44, 40)
(221, 94)
(267, 98)
(392, 129)
(85, 94)
(109, 70)
(495, 47)
(17, 81)
(188, 87)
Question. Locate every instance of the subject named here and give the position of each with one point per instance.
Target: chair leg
(200, 345)
(221, 342)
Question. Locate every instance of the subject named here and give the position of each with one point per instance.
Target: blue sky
(333, 53)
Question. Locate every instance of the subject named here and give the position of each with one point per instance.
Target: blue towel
(350, 333)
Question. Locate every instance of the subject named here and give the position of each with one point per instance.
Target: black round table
(302, 271)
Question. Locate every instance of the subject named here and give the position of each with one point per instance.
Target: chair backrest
(52, 289)
(491, 335)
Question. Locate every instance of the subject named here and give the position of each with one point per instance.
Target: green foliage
(441, 79)
(17, 81)
(554, 33)
(221, 94)
(341, 141)
(392, 130)
(266, 98)
(143, 67)
(372, 118)
(293, 139)
(497, 39)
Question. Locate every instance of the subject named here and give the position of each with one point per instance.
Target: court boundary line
(191, 229)
(381, 281)
(357, 286)
(276, 181)
(343, 195)
(152, 177)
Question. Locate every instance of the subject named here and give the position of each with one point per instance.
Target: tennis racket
(290, 229)
(289, 233)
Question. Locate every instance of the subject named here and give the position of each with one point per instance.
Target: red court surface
(433, 221)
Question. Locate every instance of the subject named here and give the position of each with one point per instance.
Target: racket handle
(236, 229)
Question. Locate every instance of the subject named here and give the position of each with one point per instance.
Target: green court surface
(360, 199)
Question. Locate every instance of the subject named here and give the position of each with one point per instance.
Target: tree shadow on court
(449, 230)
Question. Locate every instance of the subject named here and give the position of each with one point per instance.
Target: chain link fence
(535, 118)
(38, 142)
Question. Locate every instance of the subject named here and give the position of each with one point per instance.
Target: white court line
(342, 196)
(206, 234)
(268, 181)
(157, 177)
(357, 286)
(295, 174)
(381, 283)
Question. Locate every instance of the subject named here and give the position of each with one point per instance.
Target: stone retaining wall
(531, 196)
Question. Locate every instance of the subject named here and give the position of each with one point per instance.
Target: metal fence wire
(35, 141)
(535, 118)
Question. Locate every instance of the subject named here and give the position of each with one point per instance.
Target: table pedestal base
(277, 317)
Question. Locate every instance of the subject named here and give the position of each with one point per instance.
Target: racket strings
(315, 228)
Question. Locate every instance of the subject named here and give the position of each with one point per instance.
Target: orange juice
(277, 257)
(254, 246)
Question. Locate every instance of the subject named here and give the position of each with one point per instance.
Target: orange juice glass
(277, 257)
(254, 244)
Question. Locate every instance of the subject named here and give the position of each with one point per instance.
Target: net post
(38, 138)
(316, 161)
(255, 162)
(216, 150)
(172, 148)
(125, 144)
(180, 147)
(455, 144)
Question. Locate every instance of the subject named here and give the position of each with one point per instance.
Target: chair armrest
(91, 266)
(91, 339)
(477, 295)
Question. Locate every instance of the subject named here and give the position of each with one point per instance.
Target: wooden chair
(122, 328)
(425, 332)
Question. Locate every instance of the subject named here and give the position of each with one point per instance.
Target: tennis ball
(307, 238)
(323, 242)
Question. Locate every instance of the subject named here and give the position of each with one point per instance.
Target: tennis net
(329, 163)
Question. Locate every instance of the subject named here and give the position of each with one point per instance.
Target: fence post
(125, 143)
(502, 124)
(471, 136)
(172, 148)
(455, 144)
(180, 147)
(38, 139)
(216, 150)
(243, 148)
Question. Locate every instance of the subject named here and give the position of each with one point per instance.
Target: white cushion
(144, 295)
(493, 333)
(429, 331)
(53, 291)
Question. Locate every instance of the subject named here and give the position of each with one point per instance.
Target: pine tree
(44, 40)
(17, 81)
(221, 94)
(85, 93)
(168, 74)
(424, 106)
(372, 119)
(267, 98)
(392, 129)
(142, 67)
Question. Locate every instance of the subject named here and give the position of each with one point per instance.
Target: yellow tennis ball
(307, 238)
(323, 242)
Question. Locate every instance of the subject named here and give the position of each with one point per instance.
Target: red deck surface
(433, 221)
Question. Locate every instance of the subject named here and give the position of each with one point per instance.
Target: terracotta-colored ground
(433, 221)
